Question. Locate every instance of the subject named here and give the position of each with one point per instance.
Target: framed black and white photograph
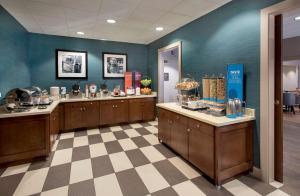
(71, 64)
(114, 65)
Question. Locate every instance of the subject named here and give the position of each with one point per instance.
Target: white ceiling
(136, 19)
(291, 28)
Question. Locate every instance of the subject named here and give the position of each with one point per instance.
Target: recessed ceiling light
(111, 21)
(80, 33)
(159, 28)
(297, 18)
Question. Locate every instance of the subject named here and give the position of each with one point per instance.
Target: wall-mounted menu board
(235, 81)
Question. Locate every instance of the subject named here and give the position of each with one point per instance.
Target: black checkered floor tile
(121, 160)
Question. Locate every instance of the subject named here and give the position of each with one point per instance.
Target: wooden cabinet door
(107, 112)
(201, 146)
(179, 134)
(148, 109)
(56, 123)
(52, 128)
(73, 115)
(135, 110)
(61, 109)
(121, 111)
(164, 126)
(90, 116)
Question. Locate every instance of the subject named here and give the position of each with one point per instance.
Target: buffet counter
(50, 108)
(220, 147)
(28, 135)
(206, 118)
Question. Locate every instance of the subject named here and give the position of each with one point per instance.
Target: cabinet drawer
(202, 127)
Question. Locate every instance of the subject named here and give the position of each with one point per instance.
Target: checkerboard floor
(121, 160)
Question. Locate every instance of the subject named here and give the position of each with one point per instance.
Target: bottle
(138, 91)
(87, 91)
(230, 109)
(238, 106)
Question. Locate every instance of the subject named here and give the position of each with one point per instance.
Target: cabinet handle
(91, 103)
(198, 126)
(113, 106)
(81, 109)
(122, 101)
(188, 130)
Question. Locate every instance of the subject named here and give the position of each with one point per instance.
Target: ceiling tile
(115, 9)
(146, 14)
(193, 7)
(86, 5)
(77, 18)
(160, 4)
(53, 2)
(40, 8)
(174, 19)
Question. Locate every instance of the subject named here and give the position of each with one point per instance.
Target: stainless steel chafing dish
(22, 99)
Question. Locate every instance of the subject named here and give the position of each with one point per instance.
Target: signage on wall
(166, 76)
(235, 81)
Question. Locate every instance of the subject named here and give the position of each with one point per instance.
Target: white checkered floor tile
(121, 160)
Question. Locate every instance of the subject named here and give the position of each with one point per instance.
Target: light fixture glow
(297, 18)
(103, 39)
(80, 33)
(111, 21)
(159, 28)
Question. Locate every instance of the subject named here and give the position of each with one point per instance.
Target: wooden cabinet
(201, 146)
(142, 109)
(61, 109)
(54, 125)
(120, 111)
(113, 112)
(106, 113)
(173, 131)
(219, 152)
(135, 110)
(73, 115)
(24, 137)
(164, 133)
(90, 114)
(81, 114)
(179, 134)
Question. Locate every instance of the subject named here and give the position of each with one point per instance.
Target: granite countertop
(33, 111)
(206, 118)
(107, 98)
(50, 108)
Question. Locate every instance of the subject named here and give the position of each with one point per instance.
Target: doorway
(272, 135)
(169, 72)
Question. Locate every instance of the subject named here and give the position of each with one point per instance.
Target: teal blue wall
(42, 59)
(230, 34)
(14, 71)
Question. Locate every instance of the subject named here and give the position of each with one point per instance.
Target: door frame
(267, 90)
(178, 45)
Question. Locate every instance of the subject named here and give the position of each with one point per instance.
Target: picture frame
(114, 64)
(71, 64)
